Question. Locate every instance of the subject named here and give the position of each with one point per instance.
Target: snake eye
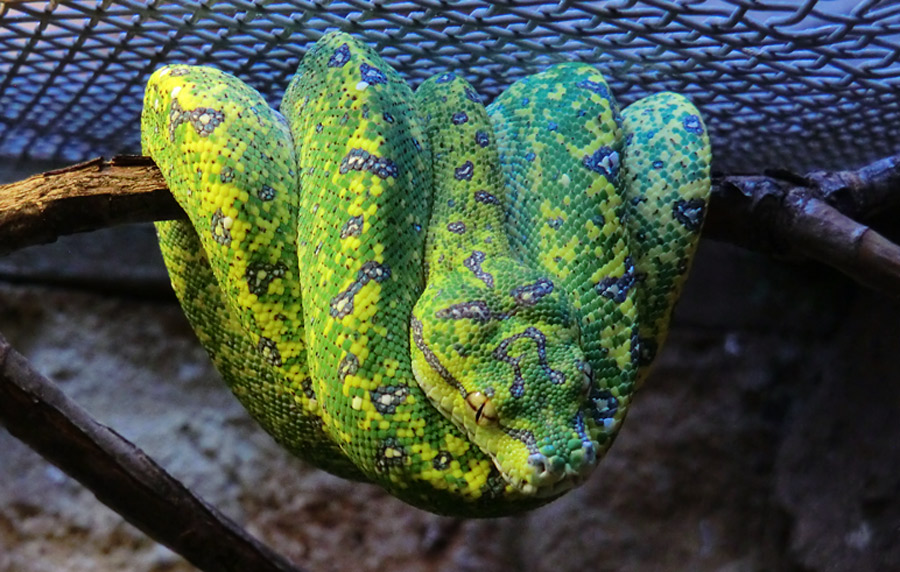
(587, 376)
(485, 412)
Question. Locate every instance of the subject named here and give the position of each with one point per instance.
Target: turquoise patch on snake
(452, 301)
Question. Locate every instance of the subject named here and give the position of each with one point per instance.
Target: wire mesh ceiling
(782, 83)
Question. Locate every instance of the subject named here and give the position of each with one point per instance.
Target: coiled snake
(452, 301)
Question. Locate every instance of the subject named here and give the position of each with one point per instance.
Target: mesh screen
(784, 83)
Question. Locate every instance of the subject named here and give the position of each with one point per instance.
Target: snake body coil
(452, 301)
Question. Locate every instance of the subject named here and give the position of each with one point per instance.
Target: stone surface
(765, 439)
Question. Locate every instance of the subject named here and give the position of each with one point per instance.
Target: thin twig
(122, 476)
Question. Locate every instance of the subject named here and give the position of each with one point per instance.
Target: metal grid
(782, 83)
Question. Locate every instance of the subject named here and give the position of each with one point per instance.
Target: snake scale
(453, 301)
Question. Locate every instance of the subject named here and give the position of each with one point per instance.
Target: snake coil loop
(450, 300)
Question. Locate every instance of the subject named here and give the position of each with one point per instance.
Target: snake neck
(467, 219)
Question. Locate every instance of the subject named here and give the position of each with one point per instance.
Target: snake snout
(554, 473)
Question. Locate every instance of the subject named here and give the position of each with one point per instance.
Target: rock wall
(767, 438)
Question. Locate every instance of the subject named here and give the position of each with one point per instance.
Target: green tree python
(453, 301)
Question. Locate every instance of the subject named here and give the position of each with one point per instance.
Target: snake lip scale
(451, 300)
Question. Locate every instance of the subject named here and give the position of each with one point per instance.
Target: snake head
(498, 352)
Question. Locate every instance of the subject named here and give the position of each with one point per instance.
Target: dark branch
(34, 410)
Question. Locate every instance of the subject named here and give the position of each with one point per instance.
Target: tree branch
(122, 476)
(814, 216)
(87, 196)
(781, 213)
